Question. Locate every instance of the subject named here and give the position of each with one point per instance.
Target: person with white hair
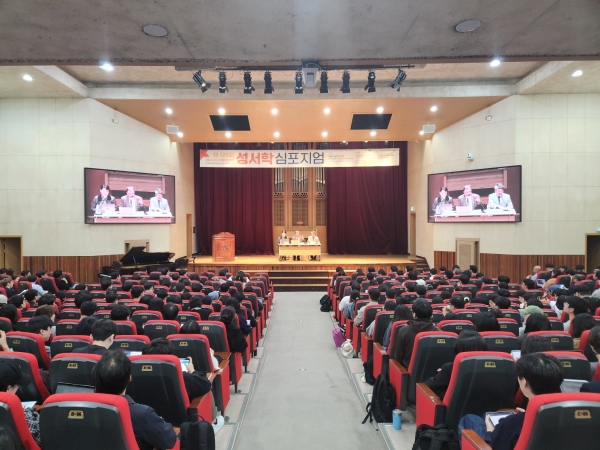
(130, 200)
(158, 203)
(499, 200)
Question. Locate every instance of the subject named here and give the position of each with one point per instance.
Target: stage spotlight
(299, 89)
(323, 89)
(223, 83)
(399, 79)
(248, 83)
(345, 83)
(370, 86)
(201, 82)
(268, 84)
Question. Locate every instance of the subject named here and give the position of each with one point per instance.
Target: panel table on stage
(133, 218)
(477, 216)
(300, 250)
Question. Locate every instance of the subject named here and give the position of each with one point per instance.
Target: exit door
(10, 253)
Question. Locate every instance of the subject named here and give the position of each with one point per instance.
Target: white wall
(556, 138)
(46, 143)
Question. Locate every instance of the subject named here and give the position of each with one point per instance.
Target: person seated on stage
(111, 375)
(313, 239)
(537, 373)
(104, 198)
(405, 338)
(469, 199)
(442, 199)
(297, 237)
(499, 200)
(279, 240)
(130, 200)
(103, 335)
(158, 203)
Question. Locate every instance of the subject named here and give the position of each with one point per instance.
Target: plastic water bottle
(397, 419)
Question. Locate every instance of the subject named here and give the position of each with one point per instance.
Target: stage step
(299, 280)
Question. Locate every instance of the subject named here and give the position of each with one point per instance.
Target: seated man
(374, 300)
(10, 378)
(300, 239)
(120, 312)
(405, 338)
(499, 200)
(103, 335)
(41, 325)
(537, 373)
(87, 309)
(111, 376)
(130, 200)
(159, 204)
(313, 239)
(469, 199)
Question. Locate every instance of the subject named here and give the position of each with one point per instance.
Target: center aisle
(303, 397)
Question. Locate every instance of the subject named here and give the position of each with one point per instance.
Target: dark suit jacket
(594, 386)
(149, 428)
(476, 200)
(441, 380)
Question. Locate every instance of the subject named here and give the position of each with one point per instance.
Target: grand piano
(136, 259)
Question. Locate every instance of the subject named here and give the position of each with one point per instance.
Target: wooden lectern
(223, 247)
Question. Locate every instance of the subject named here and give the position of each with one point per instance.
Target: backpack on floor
(338, 336)
(325, 303)
(197, 435)
(440, 437)
(382, 403)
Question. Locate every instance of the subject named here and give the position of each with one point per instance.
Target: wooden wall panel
(85, 269)
(516, 267)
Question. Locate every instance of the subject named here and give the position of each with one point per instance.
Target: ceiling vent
(172, 129)
(428, 129)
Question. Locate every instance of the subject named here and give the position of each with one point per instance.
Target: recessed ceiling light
(380, 109)
(433, 108)
(324, 134)
(155, 30)
(107, 66)
(327, 110)
(27, 77)
(467, 26)
(169, 111)
(495, 63)
(577, 73)
(373, 133)
(421, 133)
(366, 142)
(221, 111)
(228, 134)
(274, 111)
(276, 134)
(180, 134)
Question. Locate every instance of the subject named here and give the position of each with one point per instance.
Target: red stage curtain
(238, 201)
(367, 207)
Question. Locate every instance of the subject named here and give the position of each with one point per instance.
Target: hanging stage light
(268, 84)
(223, 83)
(248, 89)
(299, 89)
(323, 89)
(201, 82)
(399, 79)
(370, 87)
(345, 83)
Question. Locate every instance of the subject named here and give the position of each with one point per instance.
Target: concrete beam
(65, 79)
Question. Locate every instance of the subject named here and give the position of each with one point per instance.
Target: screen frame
(85, 195)
(520, 168)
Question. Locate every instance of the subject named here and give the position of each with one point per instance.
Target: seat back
(584, 346)
(512, 314)
(557, 421)
(510, 325)
(66, 344)
(32, 387)
(575, 365)
(455, 326)
(21, 325)
(12, 418)
(66, 327)
(395, 328)
(196, 346)
(430, 350)
(69, 313)
(382, 321)
(160, 328)
(500, 341)
(216, 334)
(100, 420)
(72, 368)
(369, 314)
(556, 324)
(141, 317)
(561, 340)
(157, 381)
(130, 343)
(48, 284)
(125, 327)
(29, 343)
(466, 314)
(183, 317)
(480, 382)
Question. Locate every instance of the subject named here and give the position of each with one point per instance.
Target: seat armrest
(472, 441)
(399, 378)
(430, 408)
(225, 359)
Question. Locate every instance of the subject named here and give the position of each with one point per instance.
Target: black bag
(197, 435)
(368, 366)
(325, 303)
(440, 437)
(382, 404)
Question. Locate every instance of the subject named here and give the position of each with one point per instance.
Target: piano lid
(137, 256)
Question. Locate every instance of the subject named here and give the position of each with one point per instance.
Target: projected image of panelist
(499, 200)
(130, 200)
(443, 202)
(103, 201)
(159, 204)
(473, 201)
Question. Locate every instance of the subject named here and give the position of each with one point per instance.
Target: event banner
(300, 158)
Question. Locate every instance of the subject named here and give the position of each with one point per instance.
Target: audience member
(235, 337)
(536, 344)
(405, 338)
(41, 325)
(120, 312)
(374, 299)
(581, 323)
(594, 343)
(88, 309)
(103, 335)
(534, 322)
(486, 321)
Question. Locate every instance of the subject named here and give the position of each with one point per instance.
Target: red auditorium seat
(381, 357)
(455, 326)
(75, 368)
(66, 327)
(66, 344)
(160, 328)
(561, 340)
(500, 341)
(30, 343)
(130, 343)
(32, 386)
(12, 418)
